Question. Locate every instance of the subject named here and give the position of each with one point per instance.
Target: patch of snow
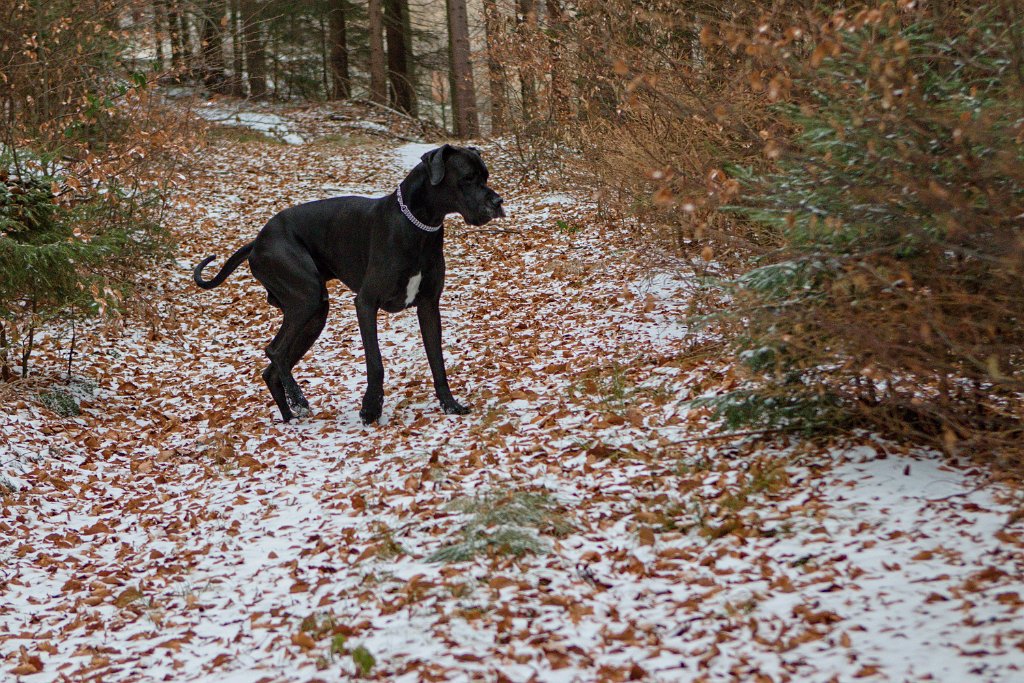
(370, 125)
(559, 199)
(259, 121)
(406, 156)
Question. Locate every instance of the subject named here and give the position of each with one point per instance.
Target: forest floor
(578, 525)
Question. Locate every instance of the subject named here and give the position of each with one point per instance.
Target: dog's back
(337, 233)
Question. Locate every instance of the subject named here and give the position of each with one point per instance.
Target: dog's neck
(416, 192)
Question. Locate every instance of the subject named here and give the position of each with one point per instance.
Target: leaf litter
(573, 527)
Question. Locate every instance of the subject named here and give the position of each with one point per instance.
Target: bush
(61, 402)
(505, 523)
(654, 113)
(897, 291)
(858, 172)
(81, 147)
(66, 259)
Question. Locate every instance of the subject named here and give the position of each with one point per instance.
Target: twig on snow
(374, 131)
(715, 437)
(508, 231)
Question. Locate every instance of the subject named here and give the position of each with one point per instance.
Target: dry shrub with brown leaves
(896, 295)
(861, 168)
(655, 114)
(85, 149)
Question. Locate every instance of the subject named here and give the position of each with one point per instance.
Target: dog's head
(464, 175)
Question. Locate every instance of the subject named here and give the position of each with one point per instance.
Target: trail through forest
(576, 526)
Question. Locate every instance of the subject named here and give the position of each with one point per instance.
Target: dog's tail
(229, 267)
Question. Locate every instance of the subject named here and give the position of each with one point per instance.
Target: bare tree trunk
(396, 23)
(378, 68)
(325, 54)
(495, 72)
(560, 99)
(410, 62)
(339, 52)
(177, 39)
(28, 343)
(214, 76)
(255, 51)
(5, 367)
(193, 50)
(527, 20)
(275, 62)
(461, 71)
(237, 50)
(159, 31)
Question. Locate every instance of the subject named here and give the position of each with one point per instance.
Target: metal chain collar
(412, 219)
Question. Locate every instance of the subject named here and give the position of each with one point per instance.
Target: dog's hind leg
(271, 379)
(285, 359)
(273, 383)
(301, 327)
(293, 285)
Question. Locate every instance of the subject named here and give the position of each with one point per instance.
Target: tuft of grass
(318, 625)
(363, 659)
(505, 523)
(61, 402)
(609, 388)
(387, 548)
(324, 625)
(241, 135)
(345, 140)
(794, 410)
(567, 228)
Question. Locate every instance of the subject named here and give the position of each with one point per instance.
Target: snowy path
(177, 531)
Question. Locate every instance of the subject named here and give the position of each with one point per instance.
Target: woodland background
(847, 177)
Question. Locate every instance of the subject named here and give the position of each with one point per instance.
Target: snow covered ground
(270, 124)
(177, 530)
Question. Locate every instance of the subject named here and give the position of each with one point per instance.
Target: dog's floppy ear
(435, 163)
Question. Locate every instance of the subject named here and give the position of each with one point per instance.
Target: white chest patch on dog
(413, 288)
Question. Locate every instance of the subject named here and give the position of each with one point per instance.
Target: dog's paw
(371, 410)
(453, 407)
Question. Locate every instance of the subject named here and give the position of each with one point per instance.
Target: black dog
(388, 251)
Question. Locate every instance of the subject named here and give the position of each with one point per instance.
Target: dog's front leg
(373, 399)
(430, 327)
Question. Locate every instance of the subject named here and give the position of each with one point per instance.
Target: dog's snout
(498, 211)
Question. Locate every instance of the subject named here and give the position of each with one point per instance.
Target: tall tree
(493, 26)
(212, 45)
(410, 61)
(396, 22)
(560, 99)
(174, 30)
(159, 31)
(461, 71)
(237, 85)
(255, 49)
(527, 20)
(378, 68)
(340, 79)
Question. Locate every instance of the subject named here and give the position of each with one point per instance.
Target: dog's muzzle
(496, 210)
